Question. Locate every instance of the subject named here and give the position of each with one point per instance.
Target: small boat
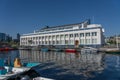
(113, 51)
(25, 72)
(89, 50)
(56, 49)
(25, 48)
(71, 50)
(5, 49)
(44, 49)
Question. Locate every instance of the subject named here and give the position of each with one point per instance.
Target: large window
(53, 42)
(87, 34)
(39, 42)
(66, 35)
(71, 42)
(87, 41)
(71, 35)
(57, 36)
(57, 42)
(81, 34)
(36, 38)
(81, 41)
(61, 36)
(53, 37)
(94, 41)
(49, 37)
(42, 37)
(39, 37)
(94, 33)
(76, 35)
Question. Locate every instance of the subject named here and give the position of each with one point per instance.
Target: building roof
(66, 25)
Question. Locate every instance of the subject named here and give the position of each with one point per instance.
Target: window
(53, 42)
(87, 34)
(45, 37)
(42, 37)
(66, 41)
(39, 37)
(71, 35)
(57, 42)
(36, 42)
(66, 36)
(61, 36)
(87, 41)
(81, 34)
(50, 42)
(49, 37)
(39, 42)
(36, 38)
(94, 33)
(53, 37)
(57, 36)
(33, 38)
(94, 41)
(81, 41)
(76, 35)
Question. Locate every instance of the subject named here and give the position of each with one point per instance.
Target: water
(71, 66)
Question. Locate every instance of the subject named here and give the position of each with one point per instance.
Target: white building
(83, 33)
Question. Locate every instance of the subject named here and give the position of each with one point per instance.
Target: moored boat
(71, 50)
(44, 49)
(89, 50)
(20, 71)
(113, 52)
(5, 49)
(56, 49)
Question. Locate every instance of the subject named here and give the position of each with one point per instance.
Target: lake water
(71, 66)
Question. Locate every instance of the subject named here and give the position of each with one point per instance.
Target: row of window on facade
(64, 36)
(60, 42)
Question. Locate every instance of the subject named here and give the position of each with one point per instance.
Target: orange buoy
(17, 63)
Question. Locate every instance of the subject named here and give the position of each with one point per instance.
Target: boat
(112, 50)
(89, 50)
(44, 49)
(30, 74)
(71, 50)
(18, 72)
(5, 49)
(56, 49)
(25, 48)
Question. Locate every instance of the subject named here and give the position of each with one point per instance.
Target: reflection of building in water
(73, 63)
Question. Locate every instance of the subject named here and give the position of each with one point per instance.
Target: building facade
(2, 36)
(82, 34)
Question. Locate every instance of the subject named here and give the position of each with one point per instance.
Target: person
(17, 63)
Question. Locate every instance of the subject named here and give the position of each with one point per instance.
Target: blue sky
(24, 16)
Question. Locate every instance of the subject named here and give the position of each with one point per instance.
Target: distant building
(83, 34)
(18, 37)
(8, 38)
(113, 40)
(5, 37)
(2, 36)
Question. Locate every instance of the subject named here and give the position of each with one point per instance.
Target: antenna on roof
(47, 26)
(88, 21)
